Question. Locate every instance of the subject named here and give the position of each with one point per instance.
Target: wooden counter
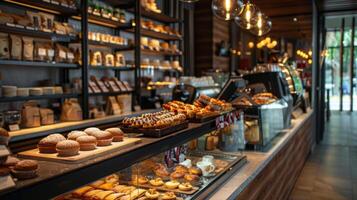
(272, 174)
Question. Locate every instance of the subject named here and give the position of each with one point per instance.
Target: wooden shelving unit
(12, 63)
(37, 34)
(117, 47)
(158, 16)
(159, 53)
(42, 97)
(45, 6)
(112, 68)
(157, 35)
(110, 93)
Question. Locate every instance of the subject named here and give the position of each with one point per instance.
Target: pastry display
(189, 110)
(25, 169)
(160, 119)
(67, 148)
(87, 142)
(163, 65)
(264, 98)
(48, 144)
(150, 25)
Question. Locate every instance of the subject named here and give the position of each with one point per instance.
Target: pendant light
(262, 25)
(247, 17)
(189, 1)
(226, 9)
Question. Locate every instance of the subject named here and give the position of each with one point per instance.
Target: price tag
(14, 127)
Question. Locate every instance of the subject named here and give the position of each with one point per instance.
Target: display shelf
(159, 53)
(12, 63)
(45, 6)
(38, 34)
(157, 35)
(110, 93)
(112, 68)
(157, 16)
(63, 127)
(121, 4)
(42, 97)
(98, 20)
(66, 177)
(117, 47)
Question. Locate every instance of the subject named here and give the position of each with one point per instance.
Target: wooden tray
(83, 155)
(163, 188)
(156, 132)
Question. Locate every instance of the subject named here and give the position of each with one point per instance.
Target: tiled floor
(331, 171)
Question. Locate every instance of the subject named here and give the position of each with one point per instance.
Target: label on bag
(70, 55)
(41, 52)
(62, 54)
(14, 127)
(50, 52)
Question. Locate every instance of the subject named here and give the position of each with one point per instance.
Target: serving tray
(148, 132)
(83, 155)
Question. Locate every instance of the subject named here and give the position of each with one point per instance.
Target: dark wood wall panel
(278, 178)
(203, 23)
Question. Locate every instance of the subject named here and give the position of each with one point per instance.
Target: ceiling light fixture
(226, 9)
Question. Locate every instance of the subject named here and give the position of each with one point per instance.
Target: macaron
(91, 130)
(117, 133)
(87, 142)
(104, 138)
(73, 135)
(11, 161)
(67, 148)
(48, 144)
(25, 169)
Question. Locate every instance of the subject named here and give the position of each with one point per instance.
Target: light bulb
(248, 17)
(189, 1)
(226, 9)
(251, 45)
(262, 25)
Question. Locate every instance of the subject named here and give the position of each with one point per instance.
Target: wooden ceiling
(282, 14)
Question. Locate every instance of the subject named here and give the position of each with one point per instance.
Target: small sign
(137, 108)
(14, 127)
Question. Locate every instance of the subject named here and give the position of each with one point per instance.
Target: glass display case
(183, 172)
